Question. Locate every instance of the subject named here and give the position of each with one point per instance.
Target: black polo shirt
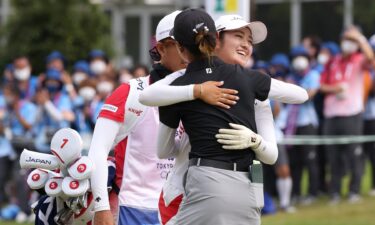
(202, 121)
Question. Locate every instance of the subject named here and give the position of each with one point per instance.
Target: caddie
(132, 128)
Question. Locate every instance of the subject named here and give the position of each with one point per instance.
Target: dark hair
(13, 89)
(140, 66)
(205, 43)
(315, 42)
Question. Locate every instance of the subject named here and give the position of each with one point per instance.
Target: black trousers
(369, 147)
(5, 176)
(304, 156)
(343, 158)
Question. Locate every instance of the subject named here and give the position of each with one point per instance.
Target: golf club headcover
(52, 173)
(75, 188)
(53, 187)
(37, 179)
(66, 145)
(81, 169)
(86, 214)
(30, 159)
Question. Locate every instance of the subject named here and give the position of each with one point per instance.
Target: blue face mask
(280, 73)
(53, 88)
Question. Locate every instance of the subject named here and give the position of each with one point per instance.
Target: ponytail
(206, 42)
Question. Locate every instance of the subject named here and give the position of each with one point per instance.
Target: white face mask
(349, 47)
(78, 77)
(22, 74)
(300, 63)
(98, 67)
(87, 93)
(323, 58)
(105, 87)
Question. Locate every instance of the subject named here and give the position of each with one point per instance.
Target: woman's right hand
(211, 93)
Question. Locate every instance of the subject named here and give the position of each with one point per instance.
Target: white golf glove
(240, 137)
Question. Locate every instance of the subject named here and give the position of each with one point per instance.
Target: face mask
(98, 67)
(87, 93)
(280, 73)
(125, 78)
(104, 87)
(53, 88)
(300, 63)
(349, 47)
(323, 59)
(78, 77)
(22, 74)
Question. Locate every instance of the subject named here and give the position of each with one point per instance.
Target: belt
(218, 164)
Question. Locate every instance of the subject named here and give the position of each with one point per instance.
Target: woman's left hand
(238, 138)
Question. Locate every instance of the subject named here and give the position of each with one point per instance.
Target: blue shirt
(369, 113)
(28, 111)
(81, 122)
(6, 149)
(47, 126)
(31, 89)
(306, 112)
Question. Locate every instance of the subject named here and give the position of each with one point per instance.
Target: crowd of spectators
(34, 106)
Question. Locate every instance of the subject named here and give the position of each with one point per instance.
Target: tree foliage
(38, 27)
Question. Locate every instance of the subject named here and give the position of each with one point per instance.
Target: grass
(321, 213)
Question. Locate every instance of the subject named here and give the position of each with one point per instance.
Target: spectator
(261, 66)
(81, 72)
(56, 60)
(84, 109)
(104, 87)
(7, 154)
(125, 75)
(342, 82)
(140, 71)
(279, 66)
(26, 83)
(20, 118)
(312, 44)
(55, 109)
(98, 61)
(8, 74)
(302, 120)
(327, 52)
(279, 69)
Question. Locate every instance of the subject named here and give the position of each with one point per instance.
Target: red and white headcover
(81, 169)
(66, 145)
(37, 179)
(53, 187)
(75, 188)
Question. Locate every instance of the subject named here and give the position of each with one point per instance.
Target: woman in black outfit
(219, 187)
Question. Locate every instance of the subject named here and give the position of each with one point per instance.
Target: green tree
(38, 27)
